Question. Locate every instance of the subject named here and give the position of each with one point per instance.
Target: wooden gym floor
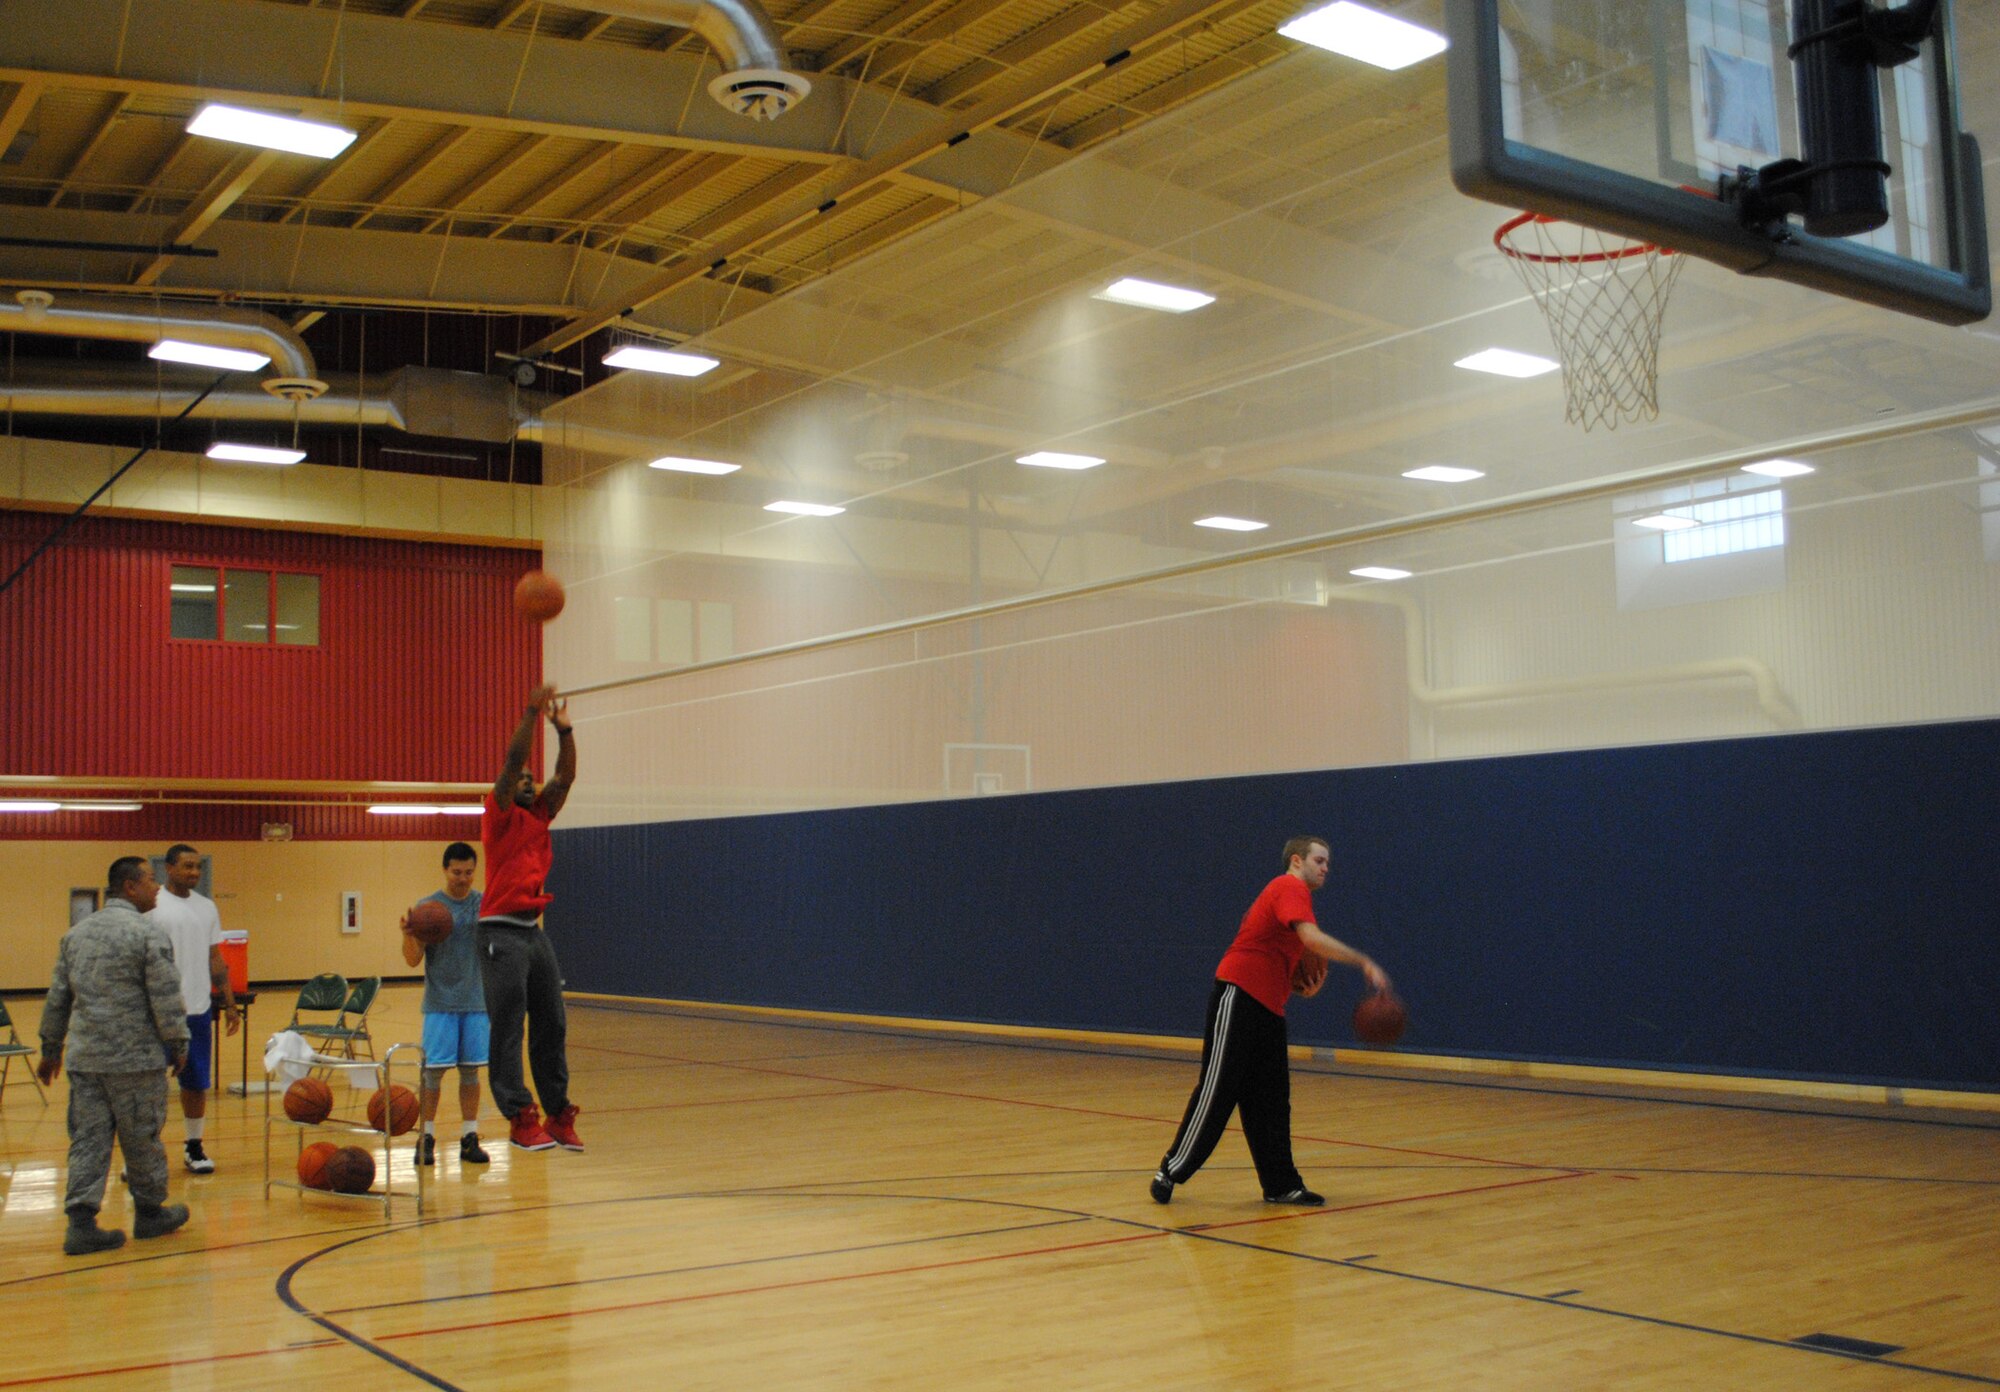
(791, 1206)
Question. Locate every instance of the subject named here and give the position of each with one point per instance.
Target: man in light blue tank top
(456, 1032)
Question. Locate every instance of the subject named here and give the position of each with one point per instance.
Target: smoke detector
(34, 301)
(881, 461)
(762, 94)
(294, 388)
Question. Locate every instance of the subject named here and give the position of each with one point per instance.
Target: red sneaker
(527, 1133)
(562, 1127)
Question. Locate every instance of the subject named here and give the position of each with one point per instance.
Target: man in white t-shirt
(195, 929)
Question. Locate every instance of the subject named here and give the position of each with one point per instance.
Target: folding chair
(13, 1049)
(350, 1032)
(324, 994)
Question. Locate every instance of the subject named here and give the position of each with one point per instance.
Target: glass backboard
(1637, 116)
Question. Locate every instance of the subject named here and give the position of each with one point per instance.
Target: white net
(1604, 297)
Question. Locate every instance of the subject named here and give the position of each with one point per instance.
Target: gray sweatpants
(130, 1107)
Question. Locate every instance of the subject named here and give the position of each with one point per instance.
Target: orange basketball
(429, 923)
(350, 1170)
(1380, 1019)
(313, 1161)
(308, 1100)
(401, 1106)
(539, 596)
(1309, 975)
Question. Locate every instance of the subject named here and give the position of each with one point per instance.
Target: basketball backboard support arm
(1487, 164)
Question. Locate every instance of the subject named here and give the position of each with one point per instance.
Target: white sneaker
(197, 1159)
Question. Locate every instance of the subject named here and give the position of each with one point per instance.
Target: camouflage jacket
(116, 995)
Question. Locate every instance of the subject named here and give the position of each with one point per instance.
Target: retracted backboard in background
(1628, 115)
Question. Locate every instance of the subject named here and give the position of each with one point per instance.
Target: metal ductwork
(36, 312)
(754, 80)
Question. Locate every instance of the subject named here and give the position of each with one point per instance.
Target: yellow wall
(286, 895)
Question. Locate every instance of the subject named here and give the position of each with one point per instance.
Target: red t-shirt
(518, 857)
(1266, 947)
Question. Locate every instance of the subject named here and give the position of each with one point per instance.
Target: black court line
(1657, 1321)
(706, 1266)
(1162, 1055)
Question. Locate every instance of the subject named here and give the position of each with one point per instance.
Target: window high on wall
(1691, 543)
(238, 605)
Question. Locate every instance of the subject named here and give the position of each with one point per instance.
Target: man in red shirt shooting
(516, 959)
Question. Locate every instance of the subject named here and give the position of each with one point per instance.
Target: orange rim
(1517, 222)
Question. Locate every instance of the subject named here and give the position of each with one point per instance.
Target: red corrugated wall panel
(420, 670)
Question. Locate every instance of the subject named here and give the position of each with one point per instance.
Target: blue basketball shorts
(456, 1038)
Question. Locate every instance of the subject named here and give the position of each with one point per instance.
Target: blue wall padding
(1815, 905)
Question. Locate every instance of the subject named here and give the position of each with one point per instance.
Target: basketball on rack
(399, 1108)
(1309, 975)
(313, 1162)
(309, 1100)
(429, 922)
(350, 1170)
(1380, 1019)
(539, 596)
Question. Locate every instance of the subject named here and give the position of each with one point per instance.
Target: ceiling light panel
(1779, 468)
(1355, 31)
(254, 454)
(673, 463)
(1231, 524)
(1444, 473)
(1380, 573)
(1055, 459)
(206, 355)
(661, 360)
(1665, 522)
(1150, 294)
(261, 128)
(1505, 362)
(804, 509)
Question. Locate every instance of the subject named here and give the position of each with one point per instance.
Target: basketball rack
(381, 1070)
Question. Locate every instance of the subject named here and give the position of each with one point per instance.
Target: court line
(1387, 1203)
(1563, 1303)
(707, 1266)
(169, 1363)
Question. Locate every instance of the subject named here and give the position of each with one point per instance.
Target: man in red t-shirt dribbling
(516, 959)
(1244, 1063)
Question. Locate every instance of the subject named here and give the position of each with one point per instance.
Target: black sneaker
(85, 1237)
(427, 1150)
(1162, 1188)
(158, 1222)
(1297, 1198)
(197, 1159)
(469, 1152)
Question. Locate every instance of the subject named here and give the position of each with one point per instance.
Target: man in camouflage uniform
(116, 997)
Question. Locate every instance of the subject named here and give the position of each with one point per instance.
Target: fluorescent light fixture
(661, 360)
(192, 589)
(1231, 524)
(1665, 522)
(1355, 31)
(102, 806)
(30, 806)
(461, 811)
(1054, 459)
(804, 509)
(1150, 294)
(678, 465)
(402, 809)
(286, 133)
(1380, 573)
(1444, 473)
(255, 454)
(1505, 362)
(202, 355)
(1779, 468)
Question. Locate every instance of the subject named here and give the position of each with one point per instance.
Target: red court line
(171, 1363)
(766, 1289)
(1386, 1203)
(737, 1101)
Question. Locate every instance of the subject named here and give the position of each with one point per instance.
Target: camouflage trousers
(128, 1107)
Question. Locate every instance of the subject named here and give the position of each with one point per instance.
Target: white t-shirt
(193, 926)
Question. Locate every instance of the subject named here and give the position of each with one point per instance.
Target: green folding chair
(13, 1049)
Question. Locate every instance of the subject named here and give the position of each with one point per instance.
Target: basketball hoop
(1604, 297)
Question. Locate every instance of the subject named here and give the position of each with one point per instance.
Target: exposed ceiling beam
(386, 195)
(1201, 78)
(333, 168)
(939, 28)
(673, 163)
(19, 107)
(228, 186)
(458, 198)
(149, 186)
(82, 157)
(1007, 59)
(1023, 91)
(567, 175)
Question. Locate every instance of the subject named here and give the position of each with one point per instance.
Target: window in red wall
(244, 606)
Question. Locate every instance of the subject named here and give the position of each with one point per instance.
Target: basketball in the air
(539, 596)
(308, 1100)
(350, 1170)
(1380, 1019)
(313, 1162)
(429, 922)
(399, 1109)
(1309, 975)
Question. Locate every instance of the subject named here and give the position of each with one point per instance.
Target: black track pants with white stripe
(1243, 1066)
